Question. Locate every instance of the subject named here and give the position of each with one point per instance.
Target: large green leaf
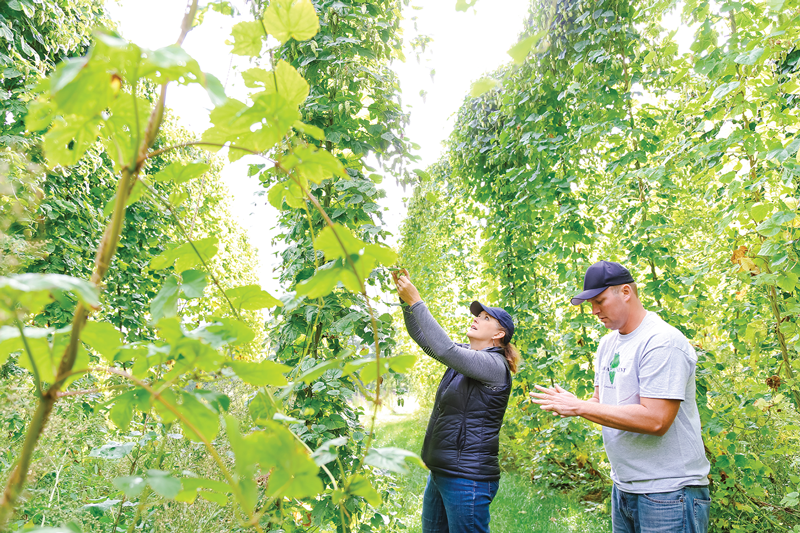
(131, 486)
(163, 484)
(248, 38)
(358, 485)
(482, 86)
(69, 138)
(165, 304)
(184, 257)
(291, 19)
(251, 297)
(288, 83)
(327, 451)
(751, 57)
(393, 459)
(337, 242)
(199, 415)
(181, 172)
(103, 337)
(294, 473)
(113, 450)
(262, 373)
(193, 283)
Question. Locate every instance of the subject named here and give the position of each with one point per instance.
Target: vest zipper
(462, 434)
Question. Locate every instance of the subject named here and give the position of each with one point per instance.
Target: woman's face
(484, 328)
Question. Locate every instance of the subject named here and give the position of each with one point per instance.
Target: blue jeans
(682, 511)
(456, 505)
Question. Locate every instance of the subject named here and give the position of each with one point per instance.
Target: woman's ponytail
(511, 353)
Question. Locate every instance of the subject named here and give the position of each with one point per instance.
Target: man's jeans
(682, 511)
(457, 505)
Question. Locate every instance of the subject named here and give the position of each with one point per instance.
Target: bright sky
(465, 46)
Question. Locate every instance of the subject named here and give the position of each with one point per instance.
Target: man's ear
(627, 292)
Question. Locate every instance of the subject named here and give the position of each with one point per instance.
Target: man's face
(611, 308)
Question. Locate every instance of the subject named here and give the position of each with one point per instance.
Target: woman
(462, 439)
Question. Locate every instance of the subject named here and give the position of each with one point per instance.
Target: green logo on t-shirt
(614, 364)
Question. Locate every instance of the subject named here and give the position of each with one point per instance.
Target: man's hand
(407, 291)
(557, 400)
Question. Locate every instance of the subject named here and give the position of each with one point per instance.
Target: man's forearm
(635, 417)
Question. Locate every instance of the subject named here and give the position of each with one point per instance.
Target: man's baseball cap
(498, 314)
(599, 277)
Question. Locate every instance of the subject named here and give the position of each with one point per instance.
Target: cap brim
(578, 299)
(476, 307)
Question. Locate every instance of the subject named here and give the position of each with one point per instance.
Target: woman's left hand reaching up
(407, 291)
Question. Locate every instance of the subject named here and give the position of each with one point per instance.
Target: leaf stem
(174, 216)
(189, 425)
(34, 368)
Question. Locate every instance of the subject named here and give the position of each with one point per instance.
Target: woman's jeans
(682, 511)
(457, 505)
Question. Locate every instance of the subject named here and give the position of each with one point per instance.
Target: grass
(519, 505)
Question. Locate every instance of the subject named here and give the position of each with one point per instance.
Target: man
(644, 397)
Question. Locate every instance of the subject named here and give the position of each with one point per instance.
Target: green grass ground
(518, 506)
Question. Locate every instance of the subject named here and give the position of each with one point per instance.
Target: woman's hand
(407, 291)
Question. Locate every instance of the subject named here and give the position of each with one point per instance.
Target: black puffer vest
(463, 436)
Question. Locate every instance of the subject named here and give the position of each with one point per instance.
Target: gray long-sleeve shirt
(488, 366)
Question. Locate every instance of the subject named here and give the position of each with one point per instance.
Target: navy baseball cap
(599, 277)
(498, 314)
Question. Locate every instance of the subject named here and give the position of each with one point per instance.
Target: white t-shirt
(653, 361)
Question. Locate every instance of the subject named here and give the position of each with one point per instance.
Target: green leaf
(251, 298)
(775, 5)
(788, 282)
(69, 138)
(520, 51)
(165, 304)
(290, 84)
(131, 486)
(314, 164)
(124, 404)
(759, 211)
(287, 19)
(402, 363)
(327, 451)
(69, 89)
(33, 291)
(248, 38)
(337, 242)
(423, 176)
(202, 417)
(103, 337)
(180, 172)
(262, 373)
(723, 90)
(311, 131)
(321, 283)
(482, 86)
(313, 373)
(113, 450)
(293, 472)
(358, 485)
(193, 283)
(463, 5)
(392, 459)
(184, 256)
(39, 116)
(163, 484)
(231, 331)
(749, 58)
(255, 129)
(383, 254)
